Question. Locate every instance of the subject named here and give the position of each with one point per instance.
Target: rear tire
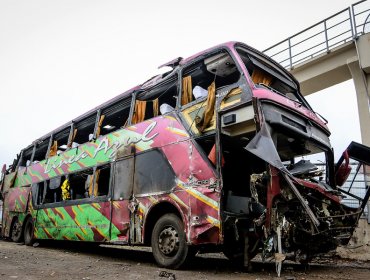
(28, 232)
(169, 242)
(17, 231)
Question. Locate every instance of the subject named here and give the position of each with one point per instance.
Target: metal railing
(320, 38)
(356, 184)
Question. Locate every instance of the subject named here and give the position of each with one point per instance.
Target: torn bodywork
(293, 209)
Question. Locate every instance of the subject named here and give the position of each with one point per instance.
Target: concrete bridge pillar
(361, 80)
(359, 67)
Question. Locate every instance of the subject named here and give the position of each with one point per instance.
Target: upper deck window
(26, 156)
(219, 68)
(157, 100)
(83, 131)
(40, 150)
(201, 81)
(59, 142)
(114, 117)
(265, 74)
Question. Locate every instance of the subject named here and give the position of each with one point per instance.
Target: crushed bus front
(276, 201)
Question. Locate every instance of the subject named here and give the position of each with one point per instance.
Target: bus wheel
(168, 242)
(16, 235)
(28, 232)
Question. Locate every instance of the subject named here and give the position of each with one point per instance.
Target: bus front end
(276, 200)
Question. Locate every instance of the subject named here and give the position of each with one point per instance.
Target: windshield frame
(271, 66)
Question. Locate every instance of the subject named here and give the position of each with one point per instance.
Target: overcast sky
(59, 59)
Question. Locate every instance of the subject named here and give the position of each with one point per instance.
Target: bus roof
(175, 64)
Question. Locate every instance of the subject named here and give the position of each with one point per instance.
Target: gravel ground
(61, 260)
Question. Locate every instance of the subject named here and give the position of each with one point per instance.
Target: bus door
(122, 193)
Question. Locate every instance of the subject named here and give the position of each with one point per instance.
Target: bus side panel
(195, 195)
(17, 199)
(198, 179)
(9, 181)
(149, 134)
(205, 221)
(45, 225)
(15, 205)
(120, 221)
(198, 207)
(83, 222)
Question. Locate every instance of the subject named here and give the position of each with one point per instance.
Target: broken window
(59, 142)
(264, 74)
(26, 156)
(113, 117)
(200, 82)
(79, 183)
(123, 179)
(102, 180)
(157, 100)
(38, 192)
(197, 78)
(152, 173)
(83, 130)
(89, 184)
(49, 191)
(40, 150)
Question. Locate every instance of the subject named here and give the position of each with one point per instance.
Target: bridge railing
(323, 36)
(357, 184)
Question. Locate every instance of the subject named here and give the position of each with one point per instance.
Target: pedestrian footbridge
(330, 52)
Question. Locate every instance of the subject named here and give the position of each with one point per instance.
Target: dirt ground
(60, 260)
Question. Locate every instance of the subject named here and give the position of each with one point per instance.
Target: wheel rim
(168, 241)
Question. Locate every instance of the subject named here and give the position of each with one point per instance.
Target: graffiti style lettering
(110, 150)
(57, 162)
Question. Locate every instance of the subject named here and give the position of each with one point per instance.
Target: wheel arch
(156, 212)
(23, 221)
(13, 220)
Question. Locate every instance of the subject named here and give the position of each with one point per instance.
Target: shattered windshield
(287, 150)
(309, 165)
(264, 74)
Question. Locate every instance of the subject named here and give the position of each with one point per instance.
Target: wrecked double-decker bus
(211, 155)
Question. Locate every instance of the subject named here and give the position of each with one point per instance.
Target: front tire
(169, 242)
(28, 232)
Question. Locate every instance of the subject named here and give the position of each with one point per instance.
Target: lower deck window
(84, 184)
(101, 186)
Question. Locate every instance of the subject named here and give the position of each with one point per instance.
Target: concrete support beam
(341, 64)
(362, 86)
(325, 70)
